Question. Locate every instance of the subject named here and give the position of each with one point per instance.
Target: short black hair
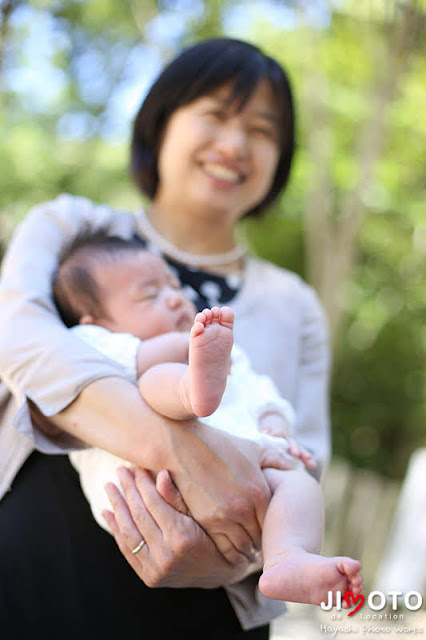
(196, 72)
(75, 290)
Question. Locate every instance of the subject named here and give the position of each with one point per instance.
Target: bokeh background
(353, 220)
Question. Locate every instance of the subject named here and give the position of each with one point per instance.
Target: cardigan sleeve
(40, 358)
(312, 426)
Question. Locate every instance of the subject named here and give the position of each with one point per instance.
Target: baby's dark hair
(75, 290)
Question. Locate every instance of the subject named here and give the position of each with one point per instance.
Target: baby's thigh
(294, 491)
(282, 478)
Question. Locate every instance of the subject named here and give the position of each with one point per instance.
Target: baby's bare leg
(182, 391)
(292, 537)
(165, 387)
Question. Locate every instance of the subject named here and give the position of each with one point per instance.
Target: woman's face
(214, 159)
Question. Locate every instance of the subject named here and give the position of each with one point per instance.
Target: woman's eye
(217, 114)
(262, 131)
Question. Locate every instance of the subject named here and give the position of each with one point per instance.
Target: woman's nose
(232, 141)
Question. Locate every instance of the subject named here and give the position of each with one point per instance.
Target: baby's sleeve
(122, 348)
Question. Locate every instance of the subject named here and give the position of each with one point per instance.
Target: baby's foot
(210, 347)
(299, 576)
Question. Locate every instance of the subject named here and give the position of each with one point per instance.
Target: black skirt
(63, 577)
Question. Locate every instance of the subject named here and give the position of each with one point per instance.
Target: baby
(127, 302)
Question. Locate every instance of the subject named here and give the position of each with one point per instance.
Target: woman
(213, 142)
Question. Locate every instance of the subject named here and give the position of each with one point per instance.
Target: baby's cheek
(192, 308)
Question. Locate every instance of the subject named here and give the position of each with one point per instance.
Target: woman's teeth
(222, 173)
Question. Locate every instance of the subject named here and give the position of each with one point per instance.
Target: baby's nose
(174, 298)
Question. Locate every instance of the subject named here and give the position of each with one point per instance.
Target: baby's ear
(87, 319)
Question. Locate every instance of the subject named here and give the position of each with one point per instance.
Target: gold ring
(139, 546)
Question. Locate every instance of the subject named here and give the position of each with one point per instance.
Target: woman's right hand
(177, 553)
(220, 478)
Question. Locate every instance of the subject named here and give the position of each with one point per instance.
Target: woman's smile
(222, 176)
(222, 173)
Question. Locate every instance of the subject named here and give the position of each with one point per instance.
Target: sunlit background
(353, 220)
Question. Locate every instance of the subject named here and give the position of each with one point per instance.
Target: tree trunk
(331, 234)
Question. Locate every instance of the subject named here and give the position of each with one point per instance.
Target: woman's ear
(87, 319)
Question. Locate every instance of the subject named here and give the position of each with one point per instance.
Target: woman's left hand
(177, 553)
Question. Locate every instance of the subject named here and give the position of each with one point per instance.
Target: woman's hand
(220, 478)
(177, 553)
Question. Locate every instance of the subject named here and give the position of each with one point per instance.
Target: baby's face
(142, 296)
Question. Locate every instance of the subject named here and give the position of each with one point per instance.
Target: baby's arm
(134, 355)
(168, 347)
(161, 376)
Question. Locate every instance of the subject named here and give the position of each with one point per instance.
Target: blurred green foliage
(70, 73)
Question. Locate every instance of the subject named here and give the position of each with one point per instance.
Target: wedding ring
(139, 546)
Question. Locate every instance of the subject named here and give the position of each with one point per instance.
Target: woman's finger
(135, 561)
(160, 511)
(226, 547)
(129, 532)
(170, 493)
(139, 513)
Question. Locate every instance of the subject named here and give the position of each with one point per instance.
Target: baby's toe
(200, 317)
(208, 314)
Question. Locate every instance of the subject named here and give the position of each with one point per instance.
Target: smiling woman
(212, 142)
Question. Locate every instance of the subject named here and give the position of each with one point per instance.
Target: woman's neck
(201, 235)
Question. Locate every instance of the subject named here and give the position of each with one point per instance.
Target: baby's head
(117, 284)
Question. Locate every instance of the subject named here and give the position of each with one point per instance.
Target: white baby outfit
(248, 395)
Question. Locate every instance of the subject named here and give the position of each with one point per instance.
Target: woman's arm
(32, 336)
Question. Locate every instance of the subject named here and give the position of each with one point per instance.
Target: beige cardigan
(280, 324)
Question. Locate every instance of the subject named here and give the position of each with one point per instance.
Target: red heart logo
(348, 595)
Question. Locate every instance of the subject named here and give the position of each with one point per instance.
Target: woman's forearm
(110, 413)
